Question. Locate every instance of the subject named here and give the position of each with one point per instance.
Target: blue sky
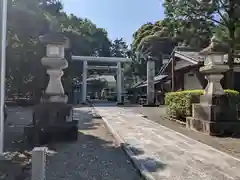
(121, 18)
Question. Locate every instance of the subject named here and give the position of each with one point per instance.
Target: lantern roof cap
(215, 47)
(57, 38)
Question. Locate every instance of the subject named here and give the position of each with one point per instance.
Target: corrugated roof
(157, 79)
(137, 84)
(190, 56)
(182, 64)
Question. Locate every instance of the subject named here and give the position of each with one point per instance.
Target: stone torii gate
(87, 59)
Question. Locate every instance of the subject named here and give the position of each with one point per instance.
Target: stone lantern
(52, 118)
(54, 62)
(215, 114)
(214, 68)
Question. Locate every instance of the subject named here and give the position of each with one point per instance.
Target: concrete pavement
(163, 154)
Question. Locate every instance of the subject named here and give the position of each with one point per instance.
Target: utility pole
(3, 24)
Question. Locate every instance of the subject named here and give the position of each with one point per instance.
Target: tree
(222, 35)
(27, 19)
(138, 67)
(192, 33)
(189, 33)
(181, 32)
(225, 13)
(151, 39)
(119, 48)
(147, 30)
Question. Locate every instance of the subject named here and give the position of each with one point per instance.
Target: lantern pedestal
(52, 122)
(52, 118)
(215, 114)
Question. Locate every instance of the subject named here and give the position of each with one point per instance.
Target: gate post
(119, 84)
(84, 82)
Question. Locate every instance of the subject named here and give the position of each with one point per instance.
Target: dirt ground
(157, 114)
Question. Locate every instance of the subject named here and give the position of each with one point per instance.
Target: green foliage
(150, 40)
(222, 34)
(221, 15)
(155, 39)
(179, 104)
(119, 48)
(27, 19)
(147, 30)
(204, 13)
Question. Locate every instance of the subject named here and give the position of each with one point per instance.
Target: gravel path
(228, 145)
(95, 156)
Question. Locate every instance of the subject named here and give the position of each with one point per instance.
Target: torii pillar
(119, 83)
(84, 82)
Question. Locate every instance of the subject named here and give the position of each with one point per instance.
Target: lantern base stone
(52, 122)
(54, 98)
(227, 128)
(215, 116)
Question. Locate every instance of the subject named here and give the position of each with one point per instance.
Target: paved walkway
(163, 154)
(226, 144)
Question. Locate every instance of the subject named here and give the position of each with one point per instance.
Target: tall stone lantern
(52, 118)
(54, 62)
(215, 114)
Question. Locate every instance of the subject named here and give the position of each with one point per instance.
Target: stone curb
(174, 120)
(141, 168)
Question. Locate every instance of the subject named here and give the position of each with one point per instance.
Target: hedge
(179, 104)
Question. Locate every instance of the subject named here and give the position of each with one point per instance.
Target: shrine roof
(157, 79)
(188, 54)
(182, 64)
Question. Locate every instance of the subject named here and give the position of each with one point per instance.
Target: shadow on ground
(96, 155)
(18, 117)
(105, 103)
(85, 119)
(16, 167)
